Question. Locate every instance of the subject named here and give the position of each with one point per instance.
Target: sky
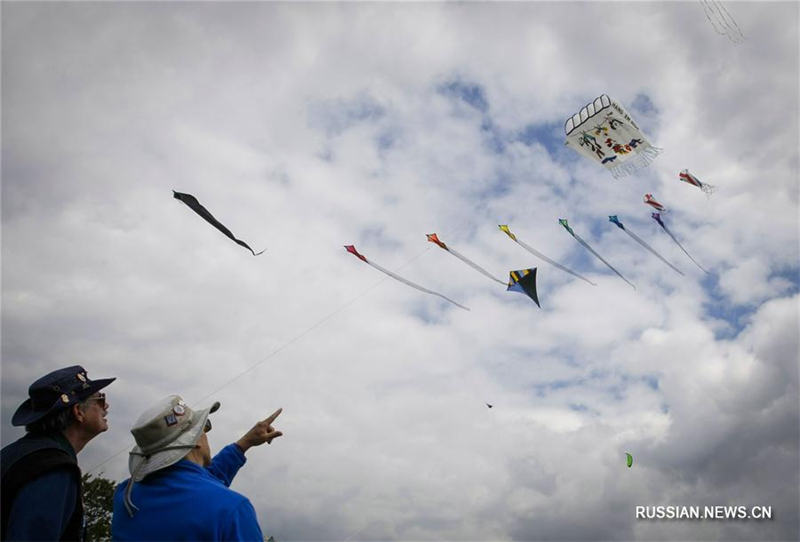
(304, 127)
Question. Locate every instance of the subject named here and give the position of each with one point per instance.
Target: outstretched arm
(231, 458)
(260, 433)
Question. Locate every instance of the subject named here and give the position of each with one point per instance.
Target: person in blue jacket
(176, 490)
(41, 481)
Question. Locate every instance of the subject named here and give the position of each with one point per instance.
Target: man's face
(95, 410)
(205, 449)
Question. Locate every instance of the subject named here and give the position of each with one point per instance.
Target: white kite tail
(551, 262)
(475, 266)
(684, 250)
(643, 157)
(648, 247)
(707, 189)
(590, 249)
(417, 286)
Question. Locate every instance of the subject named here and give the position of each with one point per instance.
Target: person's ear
(78, 412)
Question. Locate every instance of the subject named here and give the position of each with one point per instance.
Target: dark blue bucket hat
(56, 391)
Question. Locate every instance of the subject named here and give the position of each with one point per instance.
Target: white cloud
(305, 127)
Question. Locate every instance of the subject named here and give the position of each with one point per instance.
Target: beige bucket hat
(164, 434)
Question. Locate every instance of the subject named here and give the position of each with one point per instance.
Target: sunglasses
(207, 426)
(100, 398)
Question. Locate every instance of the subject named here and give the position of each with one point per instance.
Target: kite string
(708, 12)
(279, 349)
(456, 232)
(291, 341)
(270, 355)
(740, 37)
(720, 17)
(319, 323)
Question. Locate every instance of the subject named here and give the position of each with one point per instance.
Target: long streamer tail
(475, 266)
(590, 249)
(708, 189)
(648, 247)
(551, 262)
(417, 286)
(683, 249)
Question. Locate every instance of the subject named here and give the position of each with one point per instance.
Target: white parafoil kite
(603, 131)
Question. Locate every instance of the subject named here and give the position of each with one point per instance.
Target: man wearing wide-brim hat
(176, 490)
(41, 480)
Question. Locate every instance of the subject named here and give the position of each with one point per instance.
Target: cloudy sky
(308, 126)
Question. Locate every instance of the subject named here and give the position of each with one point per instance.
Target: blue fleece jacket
(188, 502)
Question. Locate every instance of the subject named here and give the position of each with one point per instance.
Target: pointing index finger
(274, 415)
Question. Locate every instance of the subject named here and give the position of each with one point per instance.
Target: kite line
(276, 351)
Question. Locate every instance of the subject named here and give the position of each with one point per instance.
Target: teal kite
(563, 222)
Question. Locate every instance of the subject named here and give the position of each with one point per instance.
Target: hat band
(147, 455)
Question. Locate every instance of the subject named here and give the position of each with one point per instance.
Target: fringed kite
(722, 21)
(650, 200)
(352, 250)
(433, 238)
(604, 132)
(195, 206)
(628, 459)
(615, 220)
(564, 223)
(524, 282)
(535, 252)
(687, 177)
(657, 218)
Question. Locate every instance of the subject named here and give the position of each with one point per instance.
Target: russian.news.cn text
(719, 512)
